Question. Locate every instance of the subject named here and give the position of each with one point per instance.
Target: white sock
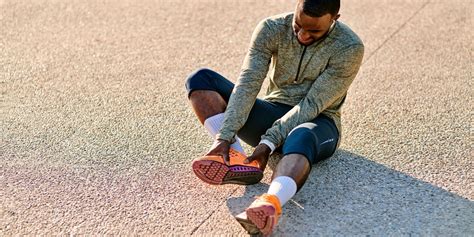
(214, 123)
(283, 187)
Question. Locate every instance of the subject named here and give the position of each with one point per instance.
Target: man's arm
(331, 85)
(254, 70)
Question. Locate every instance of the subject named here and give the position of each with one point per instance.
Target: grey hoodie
(314, 79)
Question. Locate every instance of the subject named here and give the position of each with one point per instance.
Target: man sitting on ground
(312, 59)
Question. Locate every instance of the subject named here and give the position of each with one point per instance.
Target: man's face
(309, 29)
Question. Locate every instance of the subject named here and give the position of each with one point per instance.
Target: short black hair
(319, 8)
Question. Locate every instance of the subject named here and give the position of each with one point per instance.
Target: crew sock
(214, 123)
(283, 187)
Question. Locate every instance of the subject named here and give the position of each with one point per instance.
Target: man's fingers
(226, 159)
(249, 159)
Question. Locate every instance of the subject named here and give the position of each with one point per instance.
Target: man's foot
(262, 214)
(213, 170)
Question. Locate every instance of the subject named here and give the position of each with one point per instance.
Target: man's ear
(337, 17)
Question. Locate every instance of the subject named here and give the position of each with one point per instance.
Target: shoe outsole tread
(217, 173)
(263, 217)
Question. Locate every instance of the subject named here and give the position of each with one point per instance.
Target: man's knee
(197, 78)
(302, 133)
(302, 140)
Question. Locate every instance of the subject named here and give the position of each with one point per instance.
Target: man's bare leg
(209, 107)
(290, 175)
(206, 103)
(295, 166)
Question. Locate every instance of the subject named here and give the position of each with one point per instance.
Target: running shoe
(262, 215)
(250, 227)
(213, 170)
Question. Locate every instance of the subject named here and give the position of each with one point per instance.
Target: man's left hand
(261, 154)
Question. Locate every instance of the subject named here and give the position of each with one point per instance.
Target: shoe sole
(213, 172)
(250, 227)
(262, 217)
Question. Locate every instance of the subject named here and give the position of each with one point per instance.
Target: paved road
(97, 136)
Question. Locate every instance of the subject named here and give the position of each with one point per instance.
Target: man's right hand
(221, 148)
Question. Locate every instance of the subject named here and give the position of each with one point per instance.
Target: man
(310, 59)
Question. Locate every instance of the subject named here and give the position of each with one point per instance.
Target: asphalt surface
(97, 135)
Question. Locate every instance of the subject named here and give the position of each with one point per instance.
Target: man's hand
(221, 148)
(261, 154)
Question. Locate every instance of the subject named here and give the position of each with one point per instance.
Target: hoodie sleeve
(331, 85)
(253, 72)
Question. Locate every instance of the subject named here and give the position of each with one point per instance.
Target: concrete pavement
(97, 136)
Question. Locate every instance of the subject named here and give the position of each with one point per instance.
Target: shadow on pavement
(351, 195)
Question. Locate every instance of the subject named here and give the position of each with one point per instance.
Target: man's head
(313, 19)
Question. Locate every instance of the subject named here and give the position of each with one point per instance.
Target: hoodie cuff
(269, 144)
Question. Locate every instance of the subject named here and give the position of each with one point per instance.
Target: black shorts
(316, 140)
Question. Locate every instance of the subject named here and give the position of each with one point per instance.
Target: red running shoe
(262, 215)
(213, 170)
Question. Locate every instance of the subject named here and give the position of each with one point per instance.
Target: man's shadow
(351, 195)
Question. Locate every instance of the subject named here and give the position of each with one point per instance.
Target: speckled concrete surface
(97, 136)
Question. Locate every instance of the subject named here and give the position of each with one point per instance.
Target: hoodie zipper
(299, 65)
(304, 50)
